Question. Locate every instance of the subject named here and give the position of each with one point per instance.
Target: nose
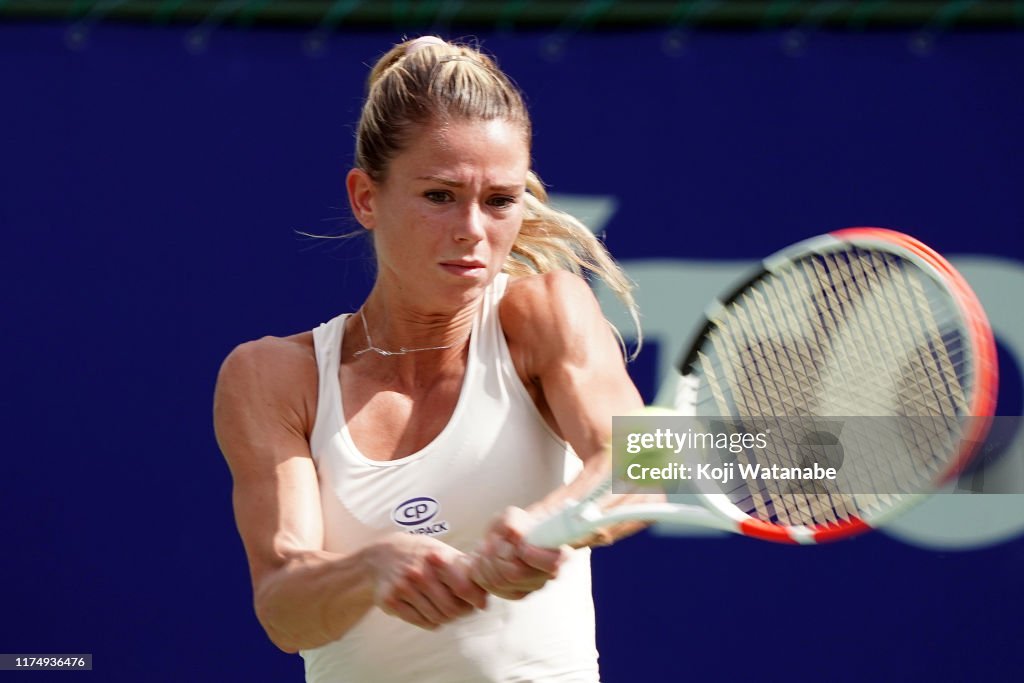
(470, 224)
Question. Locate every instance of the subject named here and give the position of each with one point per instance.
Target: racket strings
(765, 358)
(933, 355)
(791, 500)
(931, 387)
(845, 334)
(868, 342)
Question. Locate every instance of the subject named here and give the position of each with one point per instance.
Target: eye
(502, 201)
(438, 196)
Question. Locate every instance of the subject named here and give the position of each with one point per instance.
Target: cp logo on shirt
(415, 511)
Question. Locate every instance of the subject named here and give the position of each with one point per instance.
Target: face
(446, 215)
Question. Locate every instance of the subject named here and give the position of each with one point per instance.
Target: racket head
(859, 323)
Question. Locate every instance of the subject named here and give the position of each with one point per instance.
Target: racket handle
(571, 524)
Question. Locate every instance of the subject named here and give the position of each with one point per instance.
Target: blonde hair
(427, 81)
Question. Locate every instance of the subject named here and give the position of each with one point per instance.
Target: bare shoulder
(555, 296)
(270, 359)
(266, 389)
(552, 316)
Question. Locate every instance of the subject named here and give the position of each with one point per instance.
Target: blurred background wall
(158, 158)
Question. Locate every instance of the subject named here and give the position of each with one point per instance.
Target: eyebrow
(455, 183)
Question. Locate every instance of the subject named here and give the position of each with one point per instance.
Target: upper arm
(261, 417)
(562, 343)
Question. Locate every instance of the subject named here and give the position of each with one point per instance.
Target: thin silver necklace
(384, 352)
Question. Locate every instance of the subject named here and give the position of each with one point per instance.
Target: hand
(506, 565)
(423, 581)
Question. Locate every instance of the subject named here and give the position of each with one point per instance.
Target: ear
(362, 195)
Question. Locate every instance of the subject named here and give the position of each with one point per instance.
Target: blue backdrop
(149, 196)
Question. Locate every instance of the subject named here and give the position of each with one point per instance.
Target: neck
(388, 329)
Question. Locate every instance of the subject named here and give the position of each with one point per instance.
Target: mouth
(464, 268)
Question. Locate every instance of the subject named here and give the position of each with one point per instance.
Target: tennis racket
(864, 324)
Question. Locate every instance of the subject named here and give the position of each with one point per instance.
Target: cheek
(510, 231)
(405, 231)
(502, 242)
(510, 238)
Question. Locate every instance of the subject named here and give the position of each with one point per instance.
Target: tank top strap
(490, 342)
(327, 339)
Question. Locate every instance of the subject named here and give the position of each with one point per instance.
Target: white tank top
(495, 451)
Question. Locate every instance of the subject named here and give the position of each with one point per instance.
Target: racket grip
(569, 525)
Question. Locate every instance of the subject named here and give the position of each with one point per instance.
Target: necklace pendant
(384, 352)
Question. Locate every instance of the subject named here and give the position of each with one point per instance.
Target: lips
(463, 268)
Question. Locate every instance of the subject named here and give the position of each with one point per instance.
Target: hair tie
(422, 42)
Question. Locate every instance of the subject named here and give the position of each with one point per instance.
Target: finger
(483, 574)
(437, 594)
(504, 567)
(505, 550)
(546, 560)
(509, 565)
(409, 589)
(456, 576)
(395, 607)
(512, 524)
(507, 579)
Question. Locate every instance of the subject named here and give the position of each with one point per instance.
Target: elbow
(282, 642)
(290, 630)
(300, 610)
(284, 646)
(270, 619)
(277, 616)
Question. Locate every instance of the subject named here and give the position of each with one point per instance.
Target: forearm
(596, 470)
(313, 598)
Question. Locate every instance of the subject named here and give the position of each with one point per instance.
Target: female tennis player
(387, 464)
